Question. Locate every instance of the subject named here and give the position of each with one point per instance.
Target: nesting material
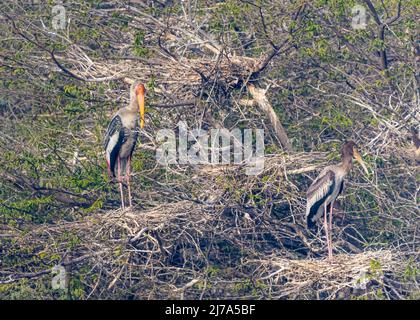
(345, 271)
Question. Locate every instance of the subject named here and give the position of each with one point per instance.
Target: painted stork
(121, 137)
(326, 188)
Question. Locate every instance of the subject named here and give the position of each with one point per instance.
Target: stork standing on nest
(326, 188)
(121, 137)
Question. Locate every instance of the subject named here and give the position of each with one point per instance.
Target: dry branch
(262, 102)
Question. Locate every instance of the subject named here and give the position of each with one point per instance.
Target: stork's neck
(133, 105)
(346, 163)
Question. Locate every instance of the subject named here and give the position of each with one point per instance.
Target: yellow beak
(359, 159)
(140, 100)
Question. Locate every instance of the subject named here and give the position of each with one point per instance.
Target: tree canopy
(312, 74)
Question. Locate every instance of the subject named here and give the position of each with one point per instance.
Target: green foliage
(411, 271)
(139, 48)
(249, 287)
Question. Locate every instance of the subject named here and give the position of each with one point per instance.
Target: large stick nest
(219, 247)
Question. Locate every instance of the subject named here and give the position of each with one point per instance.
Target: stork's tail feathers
(310, 223)
(313, 215)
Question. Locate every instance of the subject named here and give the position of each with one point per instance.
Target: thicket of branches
(295, 68)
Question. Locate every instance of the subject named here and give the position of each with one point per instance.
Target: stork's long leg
(128, 180)
(108, 166)
(120, 182)
(330, 225)
(326, 232)
(331, 210)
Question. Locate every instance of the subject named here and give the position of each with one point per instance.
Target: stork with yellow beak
(121, 137)
(327, 187)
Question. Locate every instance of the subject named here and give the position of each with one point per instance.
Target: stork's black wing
(317, 194)
(114, 126)
(135, 134)
(114, 138)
